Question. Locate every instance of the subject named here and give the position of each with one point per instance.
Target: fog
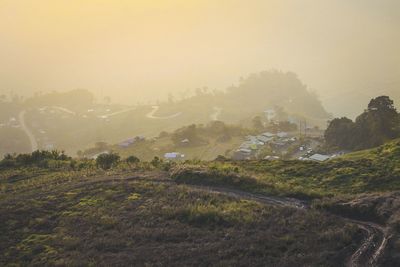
(139, 51)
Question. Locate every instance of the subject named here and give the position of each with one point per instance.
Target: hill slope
(204, 213)
(149, 220)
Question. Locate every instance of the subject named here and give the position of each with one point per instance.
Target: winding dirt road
(269, 200)
(371, 248)
(32, 139)
(367, 254)
(106, 116)
(150, 115)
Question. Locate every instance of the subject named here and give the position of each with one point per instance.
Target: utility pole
(305, 128)
(299, 129)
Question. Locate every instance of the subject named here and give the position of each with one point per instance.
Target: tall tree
(377, 124)
(339, 133)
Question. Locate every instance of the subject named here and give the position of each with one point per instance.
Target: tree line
(379, 123)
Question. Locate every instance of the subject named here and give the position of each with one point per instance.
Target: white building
(173, 156)
(319, 157)
(268, 134)
(263, 138)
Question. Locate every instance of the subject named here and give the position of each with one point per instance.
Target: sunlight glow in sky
(135, 50)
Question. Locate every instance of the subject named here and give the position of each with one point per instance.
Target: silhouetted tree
(377, 124)
(132, 159)
(107, 160)
(338, 133)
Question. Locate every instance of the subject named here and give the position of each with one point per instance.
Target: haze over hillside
(200, 133)
(142, 50)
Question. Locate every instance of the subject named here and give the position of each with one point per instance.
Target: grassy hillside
(390, 150)
(363, 185)
(204, 142)
(207, 151)
(69, 212)
(65, 218)
(376, 170)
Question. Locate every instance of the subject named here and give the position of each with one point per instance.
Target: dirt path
(106, 116)
(32, 139)
(368, 253)
(150, 115)
(372, 246)
(269, 200)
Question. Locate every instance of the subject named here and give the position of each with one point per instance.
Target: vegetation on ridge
(112, 220)
(379, 123)
(134, 205)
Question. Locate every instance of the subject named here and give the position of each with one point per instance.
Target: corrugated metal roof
(319, 157)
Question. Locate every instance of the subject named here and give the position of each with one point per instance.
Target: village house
(173, 156)
(263, 139)
(268, 134)
(319, 157)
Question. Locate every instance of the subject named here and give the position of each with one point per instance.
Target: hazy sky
(141, 49)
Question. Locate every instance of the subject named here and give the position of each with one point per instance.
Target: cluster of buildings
(280, 143)
(171, 156)
(253, 144)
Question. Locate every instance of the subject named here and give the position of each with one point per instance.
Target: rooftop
(319, 157)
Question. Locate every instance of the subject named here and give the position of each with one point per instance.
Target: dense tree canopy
(107, 160)
(275, 88)
(338, 133)
(377, 124)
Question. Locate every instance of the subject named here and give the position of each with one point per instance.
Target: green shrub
(156, 161)
(38, 158)
(132, 160)
(107, 160)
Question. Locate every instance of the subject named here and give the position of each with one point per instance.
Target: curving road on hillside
(372, 247)
(367, 254)
(106, 116)
(269, 200)
(151, 115)
(369, 251)
(24, 127)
